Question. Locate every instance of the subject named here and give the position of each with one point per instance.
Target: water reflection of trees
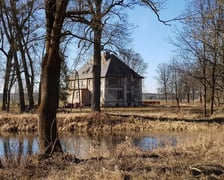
(90, 145)
(15, 148)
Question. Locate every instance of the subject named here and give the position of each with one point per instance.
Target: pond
(83, 145)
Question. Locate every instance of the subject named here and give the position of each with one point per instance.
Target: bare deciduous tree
(163, 77)
(50, 75)
(133, 60)
(96, 15)
(18, 30)
(201, 44)
(9, 31)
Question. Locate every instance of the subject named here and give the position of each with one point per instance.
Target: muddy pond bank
(197, 156)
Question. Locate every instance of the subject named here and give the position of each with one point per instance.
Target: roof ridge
(110, 66)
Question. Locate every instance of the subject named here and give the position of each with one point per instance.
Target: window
(119, 95)
(82, 83)
(77, 95)
(89, 82)
(115, 82)
(72, 84)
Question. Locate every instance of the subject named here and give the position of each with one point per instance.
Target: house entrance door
(86, 97)
(129, 99)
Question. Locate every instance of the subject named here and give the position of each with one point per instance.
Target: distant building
(150, 96)
(120, 85)
(150, 99)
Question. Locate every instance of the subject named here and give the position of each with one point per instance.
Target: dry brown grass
(198, 152)
(197, 155)
(118, 119)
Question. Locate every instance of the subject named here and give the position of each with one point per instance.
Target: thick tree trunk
(95, 104)
(50, 76)
(97, 29)
(213, 83)
(7, 80)
(20, 84)
(5, 95)
(31, 99)
(188, 97)
(48, 135)
(39, 94)
(8, 100)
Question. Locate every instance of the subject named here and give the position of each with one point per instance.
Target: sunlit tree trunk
(50, 75)
(6, 81)
(95, 104)
(97, 29)
(20, 84)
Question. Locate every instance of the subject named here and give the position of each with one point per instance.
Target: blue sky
(150, 38)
